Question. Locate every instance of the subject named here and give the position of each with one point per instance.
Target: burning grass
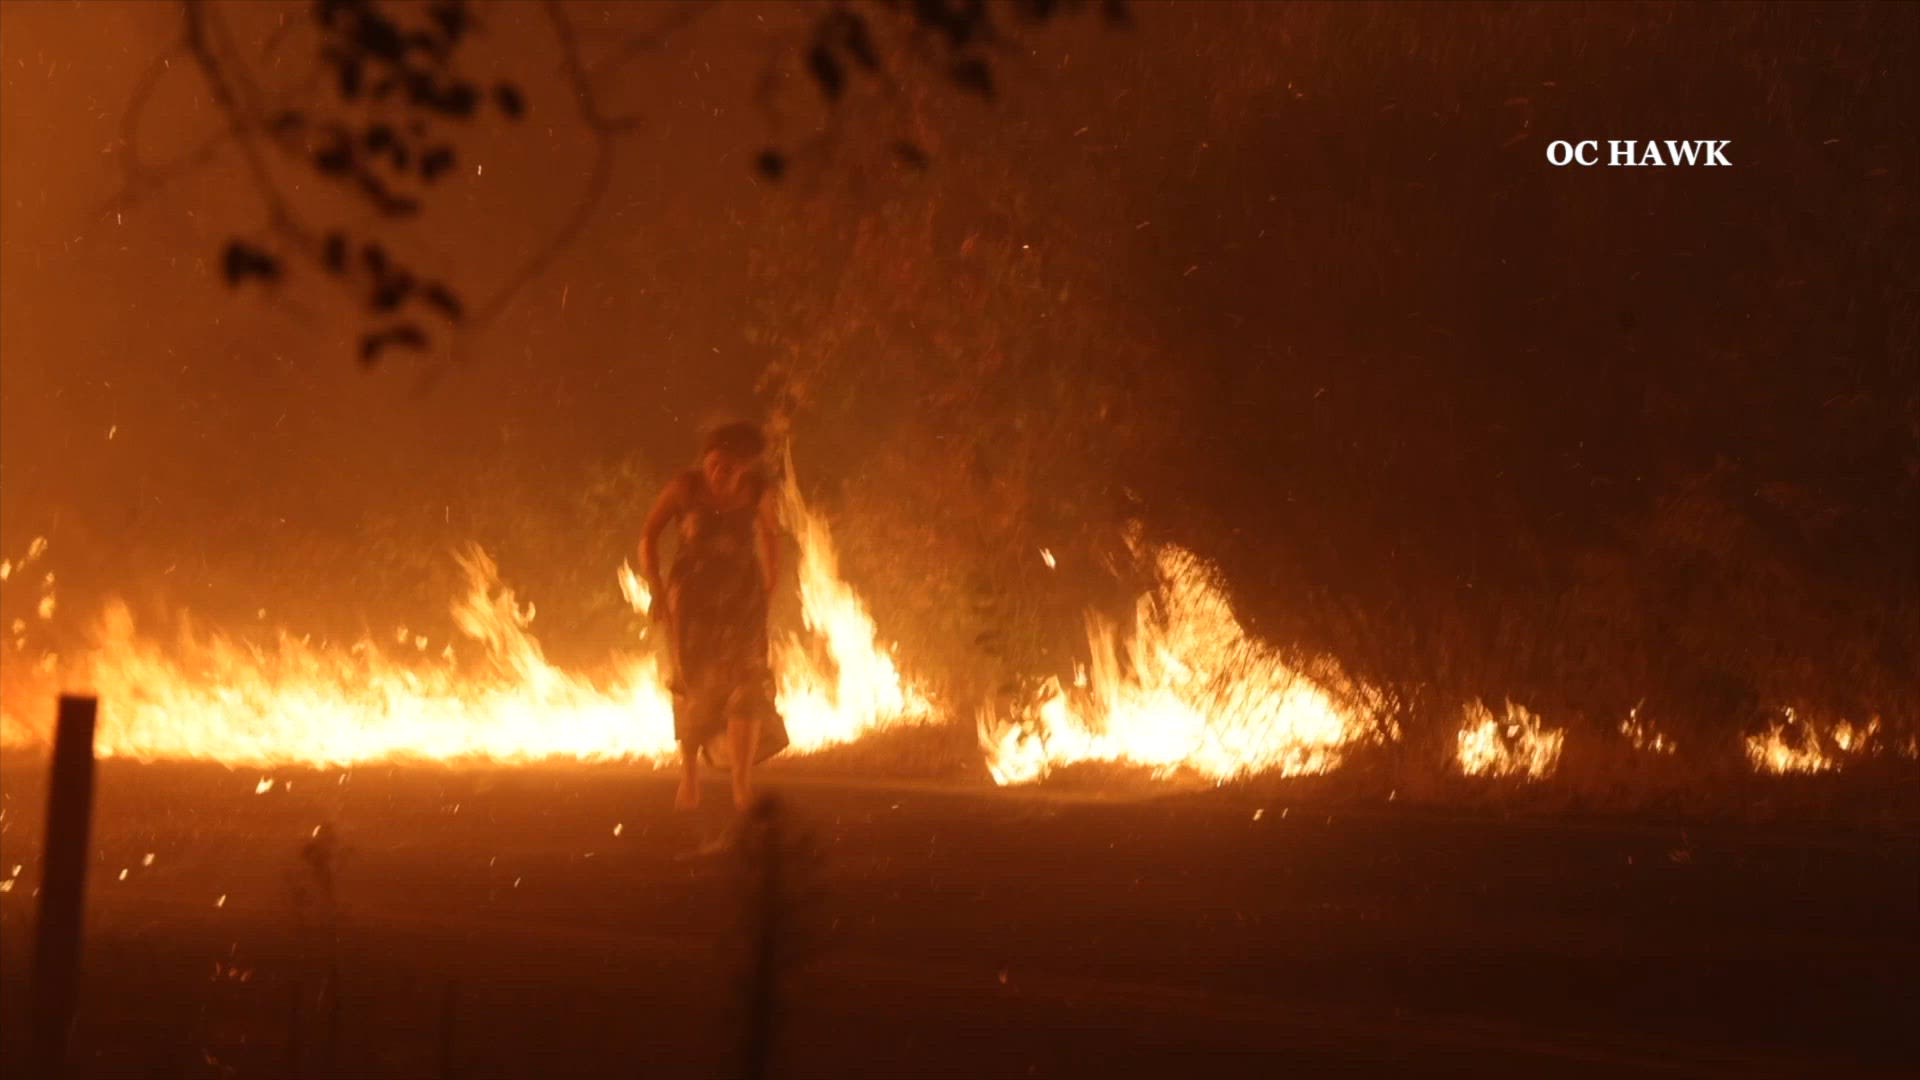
(495, 697)
(1187, 691)
(1183, 694)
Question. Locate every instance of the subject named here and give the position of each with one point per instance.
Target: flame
(831, 695)
(1642, 735)
(1186, 691)
(1189, 691)
(1488, 747)
(207, 696)
(1798, 746)
(635, 590)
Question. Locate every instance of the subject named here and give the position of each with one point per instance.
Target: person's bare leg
(688, 797)
(743, 740)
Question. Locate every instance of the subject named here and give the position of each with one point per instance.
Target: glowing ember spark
(1189, 691)
(1488, 747)
(1047, 557)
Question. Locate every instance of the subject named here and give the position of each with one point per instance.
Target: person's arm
(767, 532)
(665, 509)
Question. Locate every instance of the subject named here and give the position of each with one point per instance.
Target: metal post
(55, 976)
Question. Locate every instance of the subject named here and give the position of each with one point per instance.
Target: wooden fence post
(55, 976)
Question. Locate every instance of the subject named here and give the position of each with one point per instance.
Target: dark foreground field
(491, 923)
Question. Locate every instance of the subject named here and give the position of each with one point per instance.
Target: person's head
(730, 456)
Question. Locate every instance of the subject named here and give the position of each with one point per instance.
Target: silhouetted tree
(392, 86)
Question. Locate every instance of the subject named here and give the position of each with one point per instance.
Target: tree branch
(652, 39)
(604, 130)
(242, 124)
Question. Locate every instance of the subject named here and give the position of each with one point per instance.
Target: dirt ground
(547, 921)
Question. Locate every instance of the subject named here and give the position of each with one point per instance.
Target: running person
(716, 597)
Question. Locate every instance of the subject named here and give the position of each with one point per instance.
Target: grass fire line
(1184, 690)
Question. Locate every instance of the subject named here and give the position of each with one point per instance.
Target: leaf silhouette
(405, 335)
(973, 74)
(443, 298)
(452, 19)
(384, 199)
(242, 261)
(421, 90)
(826, 72)
(460, 100)
(506, 98)
(959, 20)
(350, 78)
(435, 162)
(909, 154)
(431, 44)
(336, 159)
(335, 254)
(331, 13)
(858, 43)
(391, 291)
(376, 35)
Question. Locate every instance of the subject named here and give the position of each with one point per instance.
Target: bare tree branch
(652, 39)
(605, 130)
(242, 125)
(141, 178)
